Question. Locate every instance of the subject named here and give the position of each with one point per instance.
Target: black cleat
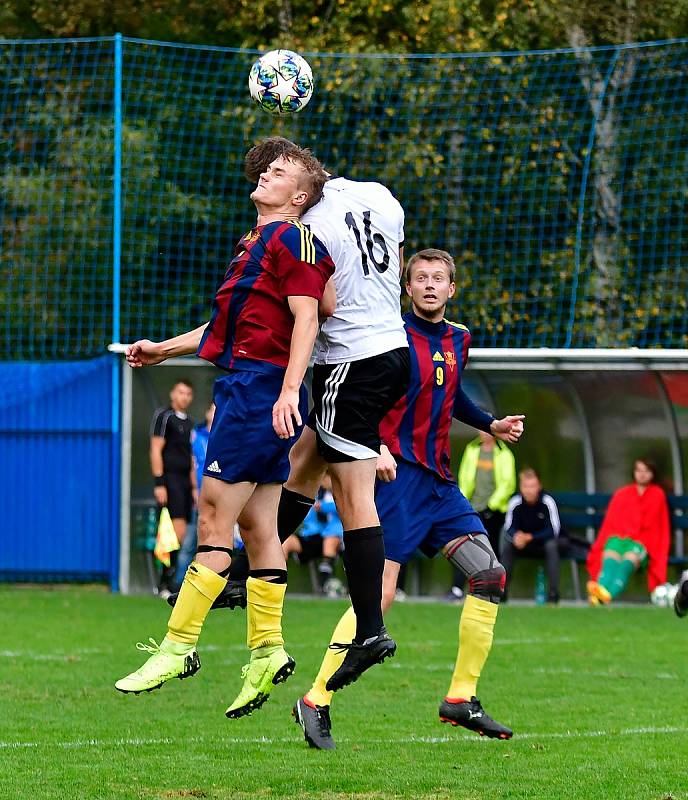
(681, 598)
(471, 715)
(315, 722)
(360, 657)
(233, 595)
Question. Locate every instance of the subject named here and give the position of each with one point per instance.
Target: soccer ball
(334, 589)
(281, 81)
(663, 595)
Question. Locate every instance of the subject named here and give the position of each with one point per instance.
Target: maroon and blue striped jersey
(251, 323)
(417, 428)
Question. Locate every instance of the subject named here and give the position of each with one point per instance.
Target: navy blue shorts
(418, 510)
(242, 445)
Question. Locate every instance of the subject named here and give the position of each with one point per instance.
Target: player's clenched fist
(509, 428)
(386, 465)
(143, 353)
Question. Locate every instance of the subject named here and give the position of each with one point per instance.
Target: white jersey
(362, 226)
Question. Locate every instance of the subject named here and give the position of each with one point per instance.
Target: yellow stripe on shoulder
(456, 325)
(307, 244)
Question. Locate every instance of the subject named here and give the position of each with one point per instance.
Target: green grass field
(598, 699)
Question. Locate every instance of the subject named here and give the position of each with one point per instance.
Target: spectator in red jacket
(634, 534)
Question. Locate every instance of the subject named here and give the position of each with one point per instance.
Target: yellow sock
(200, 588)
(475, 640)
(264, 612)
(344, 632)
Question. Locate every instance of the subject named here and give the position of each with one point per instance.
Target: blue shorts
(242, 445)
(420, 510)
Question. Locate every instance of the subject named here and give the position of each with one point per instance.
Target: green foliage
(557, 180)
(353, 26)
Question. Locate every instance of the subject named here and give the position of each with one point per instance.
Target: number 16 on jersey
(371, 239)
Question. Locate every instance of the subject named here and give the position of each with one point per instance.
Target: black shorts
(350, 401)
(179, 497)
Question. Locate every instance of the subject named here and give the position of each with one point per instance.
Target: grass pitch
(598, 700)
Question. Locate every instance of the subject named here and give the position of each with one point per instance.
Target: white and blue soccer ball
(663, 595)
(281, 82)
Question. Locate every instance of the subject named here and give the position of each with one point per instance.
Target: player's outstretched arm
(509, 428)
(145, 353)
(286, 409)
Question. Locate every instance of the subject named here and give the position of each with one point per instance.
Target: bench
(583, 512)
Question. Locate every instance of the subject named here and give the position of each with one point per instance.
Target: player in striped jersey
(361, 369)
(420, 504)
(262, 330)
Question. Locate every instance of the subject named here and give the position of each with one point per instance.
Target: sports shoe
(454, 595)
(162, 666)
(681, 596)
(472, 716)
(315, 722)
(360, 657)
(597, 594)
(260, 675)
(233, 595)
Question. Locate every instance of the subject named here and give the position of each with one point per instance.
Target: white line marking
(548, 640)
(90, 651)
(86, 743)
(610, 673)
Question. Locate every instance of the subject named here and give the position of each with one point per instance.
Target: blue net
(556, 179)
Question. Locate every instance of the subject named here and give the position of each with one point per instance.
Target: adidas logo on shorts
(214, 467)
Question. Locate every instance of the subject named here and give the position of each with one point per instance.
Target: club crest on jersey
(251, 236)
(450, 358)
(438, 356)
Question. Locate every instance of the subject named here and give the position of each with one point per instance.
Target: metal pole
(125, 483)
(588, 452)
(116, 440)
(675, 448)
(117, 193)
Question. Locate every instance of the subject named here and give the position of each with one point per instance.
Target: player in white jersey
(367, 269)
(361, 369)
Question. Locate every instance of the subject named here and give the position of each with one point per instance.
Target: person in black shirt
(532, 528)
(172, 468)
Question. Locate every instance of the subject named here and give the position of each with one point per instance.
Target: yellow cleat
(597, 594)
(161, 667)
(268, 667)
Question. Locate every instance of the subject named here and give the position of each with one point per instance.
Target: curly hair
(261, 155)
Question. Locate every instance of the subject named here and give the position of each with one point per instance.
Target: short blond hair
(313, 177)
(432, 254)
(528, 473)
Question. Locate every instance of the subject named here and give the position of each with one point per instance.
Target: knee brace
(474, 556)
(207, 548)
(488, 584)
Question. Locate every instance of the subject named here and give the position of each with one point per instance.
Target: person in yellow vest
(487, 477)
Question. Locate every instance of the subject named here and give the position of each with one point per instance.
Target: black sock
(364, 562)
(293, 509)
(325, 570)
(238, 569)
(167, 577)
(326, 565)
